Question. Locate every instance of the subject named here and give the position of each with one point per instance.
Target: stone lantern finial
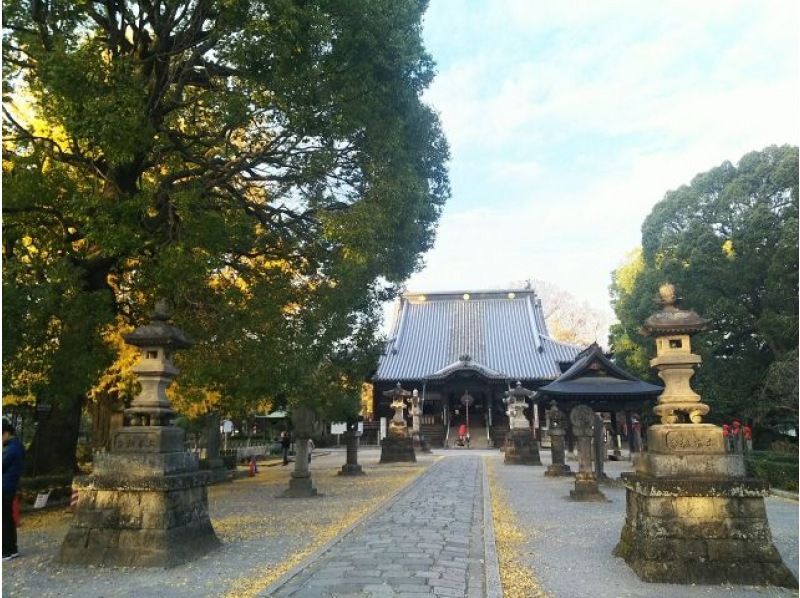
(667, 293)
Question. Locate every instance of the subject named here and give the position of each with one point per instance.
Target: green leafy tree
(267, 166)
(729, 242)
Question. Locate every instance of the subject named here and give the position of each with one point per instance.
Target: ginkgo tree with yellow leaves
(268, 167)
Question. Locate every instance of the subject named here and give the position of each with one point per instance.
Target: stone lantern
(397, 446)
(146, 501)
(521, 447)
(300, 483)
(693, 516)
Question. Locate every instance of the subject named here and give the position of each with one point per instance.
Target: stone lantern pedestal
(300, 483)
(586, 488)
(558, 467)
(351, 466)
(145, 503)
(418, 440)
(693, 516)
(398, 446)
(521, 447)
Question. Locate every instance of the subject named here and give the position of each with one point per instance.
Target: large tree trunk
(107, 416)
(52, 451)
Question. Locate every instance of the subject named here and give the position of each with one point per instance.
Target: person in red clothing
(726, 436)
(462, 434)
(748, 437)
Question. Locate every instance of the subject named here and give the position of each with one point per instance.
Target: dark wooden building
(594, 380)
(478, 343)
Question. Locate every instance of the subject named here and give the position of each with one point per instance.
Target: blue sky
(568, 121)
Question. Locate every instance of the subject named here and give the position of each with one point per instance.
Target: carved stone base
(691, 450)
(145, 505)
(586, 489)
(300, 487)
(157, 522)
(397, 450)
(521, 449)
(351, 469)
(694, 531)
(558, 470)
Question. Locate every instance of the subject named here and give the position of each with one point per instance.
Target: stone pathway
(428, 542)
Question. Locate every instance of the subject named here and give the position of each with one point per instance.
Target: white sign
(227, 426)
(41, 500)
(383, 428)
(360, 428)
(338, 428)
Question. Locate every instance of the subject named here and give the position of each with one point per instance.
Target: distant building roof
(499, 334)
(594, 375)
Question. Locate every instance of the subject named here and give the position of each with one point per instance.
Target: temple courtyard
(455, 523)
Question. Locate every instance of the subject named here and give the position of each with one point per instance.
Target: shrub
(780, 470)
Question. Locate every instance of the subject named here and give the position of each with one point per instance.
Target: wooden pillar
(615, 440)
(629, 425)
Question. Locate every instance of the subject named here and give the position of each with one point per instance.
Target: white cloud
(583, 115)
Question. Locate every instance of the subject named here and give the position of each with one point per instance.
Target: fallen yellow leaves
(346, 501)
(517, 579)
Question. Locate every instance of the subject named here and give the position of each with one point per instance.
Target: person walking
(310, 449)
(13, 459)
(286, 443)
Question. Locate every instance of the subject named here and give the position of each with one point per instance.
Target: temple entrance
(469, 413)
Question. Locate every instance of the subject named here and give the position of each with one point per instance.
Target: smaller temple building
(594, 380)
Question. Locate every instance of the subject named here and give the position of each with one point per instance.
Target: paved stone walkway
(428, 542)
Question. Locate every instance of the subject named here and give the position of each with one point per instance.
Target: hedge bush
(779, 469)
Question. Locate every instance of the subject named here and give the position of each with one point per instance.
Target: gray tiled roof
(502, 332)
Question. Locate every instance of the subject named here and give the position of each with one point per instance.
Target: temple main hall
(462, 351)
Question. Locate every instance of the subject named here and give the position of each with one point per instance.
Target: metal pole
(467, 423)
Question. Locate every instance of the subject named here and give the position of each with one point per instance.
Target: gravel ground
(262, 536)
(569, 544)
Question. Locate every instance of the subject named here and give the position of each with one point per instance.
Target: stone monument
(146, 502)
(417, 437)
(583, 422)
(600, 448)
(300, 483)
(397, 446)
(213, 462)
(351, 466)
(521, 446)
(693, 516)
(558, 466)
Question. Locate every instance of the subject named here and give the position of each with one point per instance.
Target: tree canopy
(266, 166)
(729, 242)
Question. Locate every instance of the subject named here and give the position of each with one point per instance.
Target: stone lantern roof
(671, 319)
(158, 333)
